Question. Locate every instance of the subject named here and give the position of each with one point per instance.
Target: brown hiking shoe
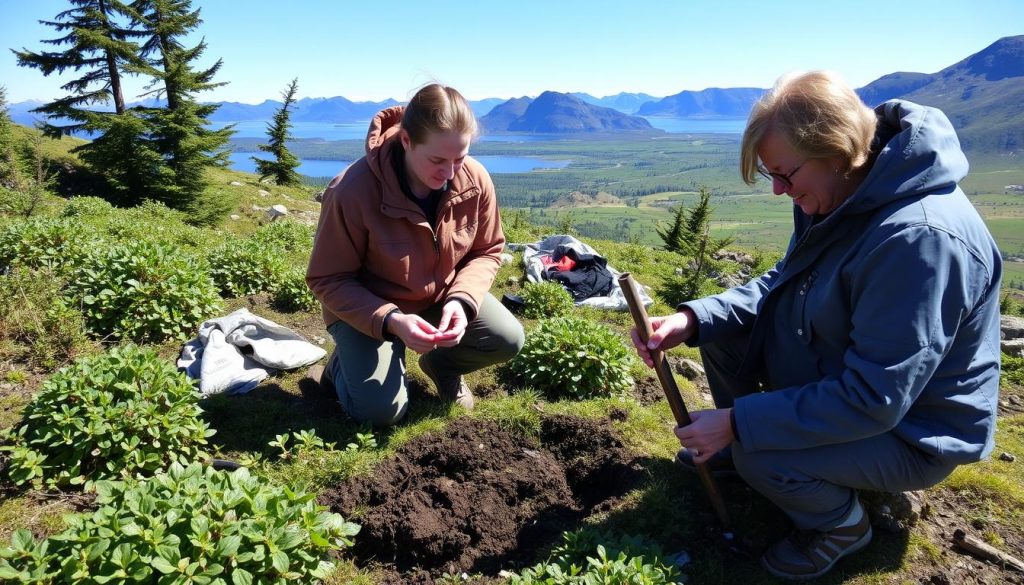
(319, 374)
(450, 388)
(807, 554)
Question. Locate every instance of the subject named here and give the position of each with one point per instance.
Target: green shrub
(688, 286)
(154, 222)
(87, 207)
(546, 299)
(592, 557)
(189, 525)
(144, 292)
(292, 294)
(286, 236)
(59, 244)
(575, 357)
(116, 415)
(37, 318)
(1012, 371)
(246, 267)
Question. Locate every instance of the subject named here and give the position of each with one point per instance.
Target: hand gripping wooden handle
(668, 384)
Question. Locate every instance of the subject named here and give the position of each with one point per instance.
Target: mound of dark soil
(475, 498)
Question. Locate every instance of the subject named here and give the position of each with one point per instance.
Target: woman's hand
(453, 324)
(669, 331)
(709, 432)
(414, 331)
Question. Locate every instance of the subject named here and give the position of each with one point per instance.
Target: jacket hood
(918, 152)
(380, 139)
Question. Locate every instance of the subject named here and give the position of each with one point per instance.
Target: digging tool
(668, 384)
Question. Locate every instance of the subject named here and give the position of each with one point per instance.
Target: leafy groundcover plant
(575, 357)
(247, 267)
(116, 415)
(58, 244)
(546, 299)
(144, 292)
(586, 557)
(292, 294)
(189, 525)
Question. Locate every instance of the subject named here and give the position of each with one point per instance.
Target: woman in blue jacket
(868, 357)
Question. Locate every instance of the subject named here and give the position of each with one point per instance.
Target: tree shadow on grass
(672, 510)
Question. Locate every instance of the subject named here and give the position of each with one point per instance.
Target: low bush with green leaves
(546, 299)
(154, 222)
(286, 236)
(189, 525)
(1012, 370)
(120, 414)
(87, 207)
(570, 356)
(58, 244)
(144, 292)
(246, 267)
(292, 294)
(47, 330)
(587, 557)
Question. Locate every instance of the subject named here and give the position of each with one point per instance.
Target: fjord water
(242, 161)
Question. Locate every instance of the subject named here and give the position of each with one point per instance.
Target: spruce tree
(100, 46)
(282, 168)
(101, 49)
(179, 132)
(11, 174)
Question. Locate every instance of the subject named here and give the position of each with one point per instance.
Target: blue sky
(369, 50)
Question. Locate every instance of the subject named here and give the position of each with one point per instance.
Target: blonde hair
(817, 114)
(437, 108)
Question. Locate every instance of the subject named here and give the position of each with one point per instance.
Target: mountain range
(983, 95)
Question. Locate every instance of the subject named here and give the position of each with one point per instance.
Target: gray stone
(277, 211)
(1012, 347)
(895, 512)
(1011, 327)
(236, 184)
(319, 197)
(1008, 457)
(690, 370)
(264, 193)
(235, 216)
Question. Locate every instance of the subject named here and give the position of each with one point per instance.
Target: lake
(242, 161)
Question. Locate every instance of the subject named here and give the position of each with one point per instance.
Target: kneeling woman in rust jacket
(408, 245)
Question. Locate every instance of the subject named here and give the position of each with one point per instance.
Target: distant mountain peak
(557, 112)
(1000, 60)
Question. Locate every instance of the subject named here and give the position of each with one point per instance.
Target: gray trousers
(369, 375)
(816, 486)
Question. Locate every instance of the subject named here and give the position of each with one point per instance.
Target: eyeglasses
(784, 179)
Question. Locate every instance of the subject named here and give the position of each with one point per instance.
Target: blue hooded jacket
(882, 316)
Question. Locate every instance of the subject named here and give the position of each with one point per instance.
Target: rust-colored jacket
(375, 250)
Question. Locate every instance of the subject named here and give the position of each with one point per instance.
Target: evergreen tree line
(158, 152)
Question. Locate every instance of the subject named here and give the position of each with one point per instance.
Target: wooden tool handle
(668, 385)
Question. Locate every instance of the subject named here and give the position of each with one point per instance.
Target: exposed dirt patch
(475, 498)
(944, 513)
(648, 391)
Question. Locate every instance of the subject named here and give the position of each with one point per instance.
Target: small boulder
(1011, 327)
(896, 512)
(1012, 347)
(264, 193)
(277, 211)
(236, 184)
(235, 216)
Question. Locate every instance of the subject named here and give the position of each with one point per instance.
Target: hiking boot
(319, 374)
(807, 554)
(720, 465)
(449, 388)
